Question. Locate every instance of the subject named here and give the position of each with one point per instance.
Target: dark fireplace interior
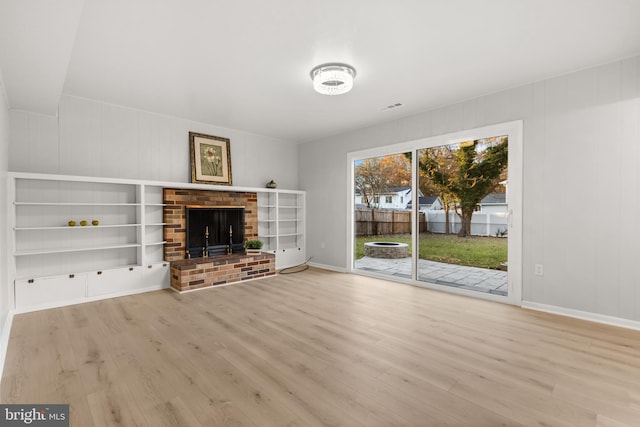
(225, 227)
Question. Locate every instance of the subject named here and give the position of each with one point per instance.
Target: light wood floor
(321, 348)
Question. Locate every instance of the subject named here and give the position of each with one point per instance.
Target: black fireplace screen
(214, 231)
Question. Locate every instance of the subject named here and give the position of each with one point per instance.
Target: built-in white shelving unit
(281, 225)
(53, 264)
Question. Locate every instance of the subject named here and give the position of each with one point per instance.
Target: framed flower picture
(210, 159)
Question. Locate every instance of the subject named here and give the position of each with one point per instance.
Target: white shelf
(155, 243)
(69, 250)
(130, 213)
(281, 226)
(76, 227)
(72, 204)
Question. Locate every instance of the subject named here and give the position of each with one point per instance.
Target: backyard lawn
(483, 252)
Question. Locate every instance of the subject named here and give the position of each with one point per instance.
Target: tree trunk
(465, 228)
(447, 227)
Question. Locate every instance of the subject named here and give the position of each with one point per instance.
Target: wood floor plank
(321, 348)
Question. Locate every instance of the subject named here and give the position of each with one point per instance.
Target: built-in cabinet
(53, 263)
(281, 226)
(74, 239)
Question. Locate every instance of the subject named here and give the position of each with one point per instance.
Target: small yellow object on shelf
(83, 223)
(72, 223)
(95, 222)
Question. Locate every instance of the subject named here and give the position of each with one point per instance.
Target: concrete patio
(473, 278)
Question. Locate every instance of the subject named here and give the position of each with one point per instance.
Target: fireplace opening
(214, 231)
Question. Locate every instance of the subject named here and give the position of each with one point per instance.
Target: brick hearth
(190, 274)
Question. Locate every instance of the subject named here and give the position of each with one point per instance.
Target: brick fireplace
(196, 273)
(177, 200)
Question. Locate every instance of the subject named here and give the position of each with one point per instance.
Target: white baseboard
(584, 315)
(4, 340)
(327, 267)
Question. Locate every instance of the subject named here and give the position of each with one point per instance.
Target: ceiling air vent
(391, 106)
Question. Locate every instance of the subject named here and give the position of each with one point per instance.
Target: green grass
(483, 252)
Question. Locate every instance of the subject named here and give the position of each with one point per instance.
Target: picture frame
(210, 159)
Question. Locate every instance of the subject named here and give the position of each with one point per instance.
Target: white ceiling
(245, 64)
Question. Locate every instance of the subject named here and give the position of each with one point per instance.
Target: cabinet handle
(130, 268)
(99, 272)
(149, 266)
(71, 276)
(30, 281)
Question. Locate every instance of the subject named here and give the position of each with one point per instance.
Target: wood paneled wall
(92, 138)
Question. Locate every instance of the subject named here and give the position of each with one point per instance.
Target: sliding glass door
(443, 212)
(382, 220)
(463, 219)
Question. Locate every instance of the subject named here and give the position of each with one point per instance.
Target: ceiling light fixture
(333, 78)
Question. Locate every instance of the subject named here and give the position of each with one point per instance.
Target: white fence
(482, 224)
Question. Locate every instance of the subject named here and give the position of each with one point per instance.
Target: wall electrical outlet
(539, 270)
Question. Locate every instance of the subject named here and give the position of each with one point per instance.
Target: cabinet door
(289, 258)
(157, 275)
(50, 291)
(116, 281)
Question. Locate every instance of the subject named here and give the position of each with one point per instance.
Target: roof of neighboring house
(397, 189)
(424, 201)
(427, 200)
(391, 190)
(494, 198)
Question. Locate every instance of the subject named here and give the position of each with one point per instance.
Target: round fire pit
(386, 250)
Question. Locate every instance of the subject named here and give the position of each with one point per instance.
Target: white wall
(4, 164)
(581, 140)
(90, 138)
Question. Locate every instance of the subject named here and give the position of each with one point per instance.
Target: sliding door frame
(514, 131)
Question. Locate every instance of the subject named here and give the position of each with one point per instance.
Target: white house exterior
(392, 198)
(493, 203)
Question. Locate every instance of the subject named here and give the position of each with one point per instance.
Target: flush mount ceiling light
(333, 78)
